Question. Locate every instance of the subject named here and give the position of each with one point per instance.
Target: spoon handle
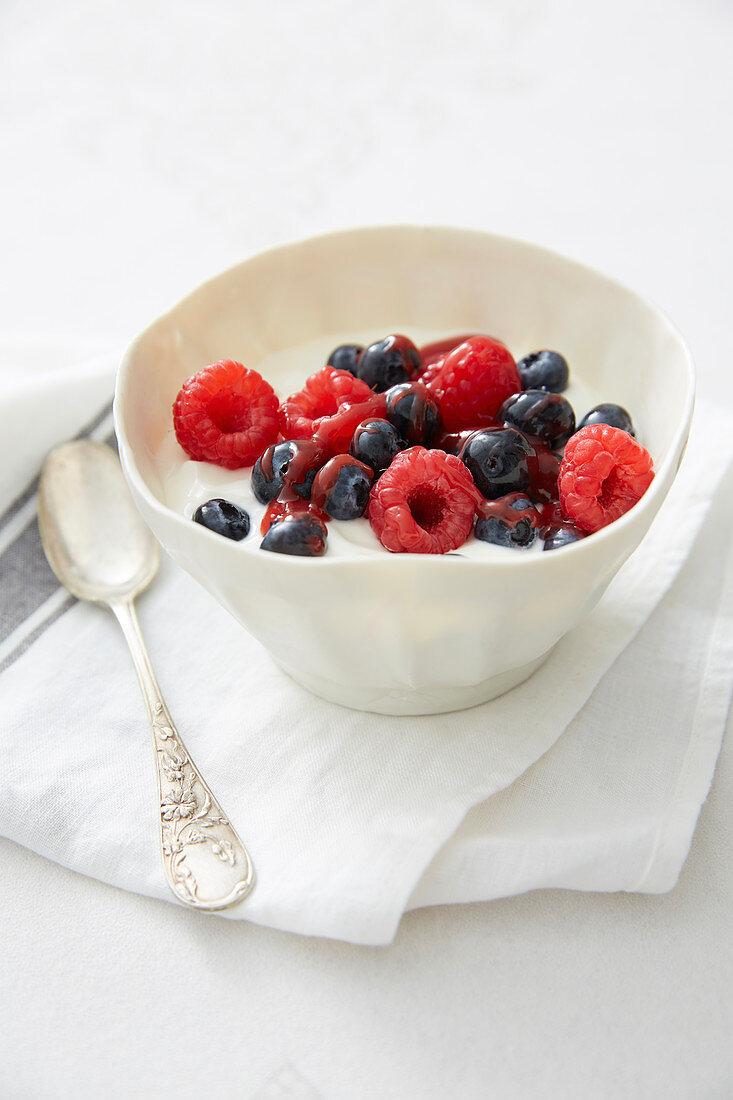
(206, 864)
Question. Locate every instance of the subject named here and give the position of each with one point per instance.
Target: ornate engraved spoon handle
(206, 864)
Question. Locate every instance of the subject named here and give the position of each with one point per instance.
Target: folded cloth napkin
(353, 818)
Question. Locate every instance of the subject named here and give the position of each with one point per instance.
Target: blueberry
(301, 536)
(546, 416)
(512, 521)
(224, 518)
(389, 362)
(341, 487)
(543, 370)
(345, 357)
(498, 460)
(562, 536)
(375, 443)
(414, 412)
(615, 415)
(298, 458)
(452, 442)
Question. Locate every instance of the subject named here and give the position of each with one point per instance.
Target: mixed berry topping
(603, 473)
(453, 442)
(224, 518)
(544, 474)
(563, 535)
(388, 362)
(341, 487)
(226, 414)
(544, 416)
(414, 412)
(614, 415)
(511, 521)
(301, 536)
(424, 504)
(324, 407)
(286, 469)
(376, 443)
(433, 355)
(431, 446)
(279, 509)
(499, 461)
(474, 380)
(543, 370)
(345, 357)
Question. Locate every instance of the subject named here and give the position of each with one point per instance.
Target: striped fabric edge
(31, 598)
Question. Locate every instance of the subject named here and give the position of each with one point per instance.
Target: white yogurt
(188, 484)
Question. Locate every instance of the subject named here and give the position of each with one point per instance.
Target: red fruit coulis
(543, 472)
(306, 455)
(336, 432)
(328, 475)
(551, 518)
(452, 442)
(284, 509)
(431, 353)
(502, 509)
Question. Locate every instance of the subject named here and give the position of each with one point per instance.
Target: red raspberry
(322, 396)
(603, 473)
(432, 371)
(433, 355)
(424, 503)
(328, 409)
(226, 414)
(475, 379)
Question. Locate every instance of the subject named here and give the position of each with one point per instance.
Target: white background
(148, 145)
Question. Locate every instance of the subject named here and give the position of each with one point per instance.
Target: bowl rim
(614, 531)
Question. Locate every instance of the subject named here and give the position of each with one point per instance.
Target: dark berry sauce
(283, 509)
(414, 412)
(431, 353)
(334, 433)
(341, 487)
(511, 521)
(306, 457)
(551, 517)
(505, 508)
(543, 473)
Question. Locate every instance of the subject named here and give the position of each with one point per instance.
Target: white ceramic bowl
(404, 633)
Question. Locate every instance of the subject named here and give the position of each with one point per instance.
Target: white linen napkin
(352, 818)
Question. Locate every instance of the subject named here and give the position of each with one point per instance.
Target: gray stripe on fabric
(28, 641)
(26, 578)
(32, 489)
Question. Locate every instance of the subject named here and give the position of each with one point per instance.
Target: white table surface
(147, 146)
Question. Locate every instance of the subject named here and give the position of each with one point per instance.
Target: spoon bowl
(95, 540)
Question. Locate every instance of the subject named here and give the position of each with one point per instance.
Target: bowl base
(439, 699)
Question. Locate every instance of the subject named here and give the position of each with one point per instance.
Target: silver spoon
(100, 549)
